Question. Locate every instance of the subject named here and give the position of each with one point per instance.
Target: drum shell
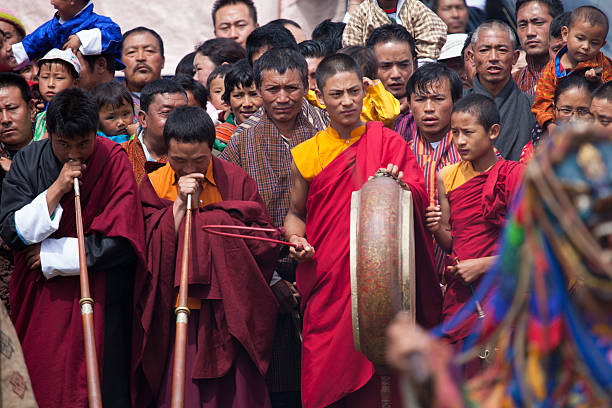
(382, 262)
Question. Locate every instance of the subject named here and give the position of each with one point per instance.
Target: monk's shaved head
(335, 64)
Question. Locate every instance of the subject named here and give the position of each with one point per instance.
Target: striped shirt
(527, 78)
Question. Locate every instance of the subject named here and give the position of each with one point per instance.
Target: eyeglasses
(567, 111)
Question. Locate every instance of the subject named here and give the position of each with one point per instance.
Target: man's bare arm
(295, 221)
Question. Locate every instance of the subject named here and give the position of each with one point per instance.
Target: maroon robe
(477, 212)
(331, 368)
(231, 276)
(46, 313)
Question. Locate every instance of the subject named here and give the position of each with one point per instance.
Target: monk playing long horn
(37, 218)
(233, 311)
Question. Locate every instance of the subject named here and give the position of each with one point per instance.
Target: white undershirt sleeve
(20, 54)
(91, 41)
(33, 223)
(59, 257)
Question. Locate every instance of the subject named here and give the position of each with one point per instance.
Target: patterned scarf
(137, 157)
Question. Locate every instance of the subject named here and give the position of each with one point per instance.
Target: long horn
(182, 316)
(91, 360)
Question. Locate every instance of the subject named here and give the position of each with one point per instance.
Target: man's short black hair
(330, 34)
(111, 64)
(335, 64)
(221, 50)
(198, 90)
(562, 20)
(142, 29)
(604, 92)
(185, 65)
(189, 124)
(240, 74)
(312, 49)
(219, 71)
(391, 33)
(111, 93)
(72, 113)
(285, 22)
(432, 73)
(222, 3)
(481, 107)
(574, 81)
(555, 7)
(11, 79)
(365, 57)
(159, 86)
(281, 60)
(590, 14)
(270, 36)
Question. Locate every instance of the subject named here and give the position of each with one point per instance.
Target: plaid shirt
(137, 156)
(527, 78)
(553, 72)
(266, 155)
(428, 30)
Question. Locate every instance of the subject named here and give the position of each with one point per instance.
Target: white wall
(182, 23)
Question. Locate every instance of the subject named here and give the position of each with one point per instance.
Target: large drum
(382, 262)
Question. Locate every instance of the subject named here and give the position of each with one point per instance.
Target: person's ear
(494, 131)
(604, 43)
(142, 118)
(32, 108)
(564, 33)
(100, 66)
(319, 96)
(515, 56)
(163, 62)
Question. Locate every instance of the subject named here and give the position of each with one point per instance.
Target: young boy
(216, 88)
(555, 38)
(116, 110)
(58, 70)
(75, 26)
(326, 170)
(474, 196)
(241, 95)
(585, 35)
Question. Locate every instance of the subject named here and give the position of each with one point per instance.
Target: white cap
(64, 55)
(453, 46)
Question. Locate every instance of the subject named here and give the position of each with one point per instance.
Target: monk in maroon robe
(233, 310)
(475, 195)
(38, 221)
(325, 172)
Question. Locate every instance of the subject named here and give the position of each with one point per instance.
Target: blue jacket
(52, 34)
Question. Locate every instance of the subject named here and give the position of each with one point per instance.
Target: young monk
(326, 169)
(233, 310)
(474, 197)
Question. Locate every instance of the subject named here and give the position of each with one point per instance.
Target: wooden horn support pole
(182, 317)
(86, 302)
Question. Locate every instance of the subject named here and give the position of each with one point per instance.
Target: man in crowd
(454, 13)
(37, 218)
(16, 116)
(495, 52)
(395, 51)
(601, 108)
(281, 76)
(142, 52)
(234, 19)
(453, 57)
(264, 38)
(232, 309)
(533, 18)
(147, 150)
(97, 69)
(427, 29)
(432, 90)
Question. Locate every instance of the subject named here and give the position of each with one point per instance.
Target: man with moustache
(495, 52)
(142, 52)
(533, 18)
